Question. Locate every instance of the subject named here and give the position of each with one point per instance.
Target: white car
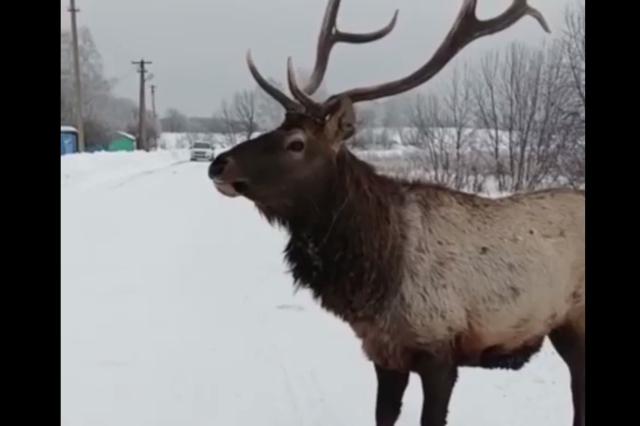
(202, 151)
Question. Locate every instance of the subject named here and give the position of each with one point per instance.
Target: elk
(429, 279)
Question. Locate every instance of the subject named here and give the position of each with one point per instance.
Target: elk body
(429, 279)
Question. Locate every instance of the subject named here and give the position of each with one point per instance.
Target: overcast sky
(198, 46)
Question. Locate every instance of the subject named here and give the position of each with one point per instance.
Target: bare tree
(442, 128)
(394, 111)
(487, 102)
(245, 109)
(573, 41)
(427, 120)
(174, 121)
(458, 111)
(520, 99)
(240, 115)
(95, 84)
(365, 123)
(230, 123)
(269, 112)
(96, 88)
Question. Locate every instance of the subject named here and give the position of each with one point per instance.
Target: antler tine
(274, 92)
(465, 29)
(517, 10)
(330, 35)
(309, 104)
(356, 38)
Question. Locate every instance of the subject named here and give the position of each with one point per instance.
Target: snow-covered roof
(127, 135)
(68, 129)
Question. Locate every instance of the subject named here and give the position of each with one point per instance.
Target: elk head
(298, 159)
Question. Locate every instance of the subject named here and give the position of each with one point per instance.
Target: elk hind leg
(569, 342)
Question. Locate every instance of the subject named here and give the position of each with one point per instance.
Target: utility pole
(76, 62)
(155, 116)
(153, 100)
(142, 140)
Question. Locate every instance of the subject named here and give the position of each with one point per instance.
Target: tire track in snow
(146, 173)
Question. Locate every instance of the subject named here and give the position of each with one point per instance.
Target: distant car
(202, 151)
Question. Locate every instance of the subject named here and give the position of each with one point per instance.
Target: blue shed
(68, 140)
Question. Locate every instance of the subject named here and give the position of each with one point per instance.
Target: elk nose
(217, 167)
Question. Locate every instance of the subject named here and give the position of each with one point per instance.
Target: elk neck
(346, 245)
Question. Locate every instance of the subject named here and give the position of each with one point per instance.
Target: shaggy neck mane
(346, 245)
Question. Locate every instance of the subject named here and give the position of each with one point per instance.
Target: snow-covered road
(177, 311)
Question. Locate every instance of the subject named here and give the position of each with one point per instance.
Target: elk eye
(295, 146)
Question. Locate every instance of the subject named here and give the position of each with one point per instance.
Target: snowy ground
(176, 310)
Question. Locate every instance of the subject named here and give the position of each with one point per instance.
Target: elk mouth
(232, 189)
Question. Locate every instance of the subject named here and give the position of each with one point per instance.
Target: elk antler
(466, 28)
(329, 36)
(272, 90)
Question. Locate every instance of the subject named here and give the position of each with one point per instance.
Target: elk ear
(340, 122)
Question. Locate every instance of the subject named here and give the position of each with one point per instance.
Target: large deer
(430, 279)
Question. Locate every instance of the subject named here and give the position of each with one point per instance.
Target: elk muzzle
(226, 176)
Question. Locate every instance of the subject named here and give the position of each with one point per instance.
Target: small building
(68, 140)
(122, 142)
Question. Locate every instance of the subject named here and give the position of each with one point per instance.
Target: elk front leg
(438, 379)
(391, 387)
